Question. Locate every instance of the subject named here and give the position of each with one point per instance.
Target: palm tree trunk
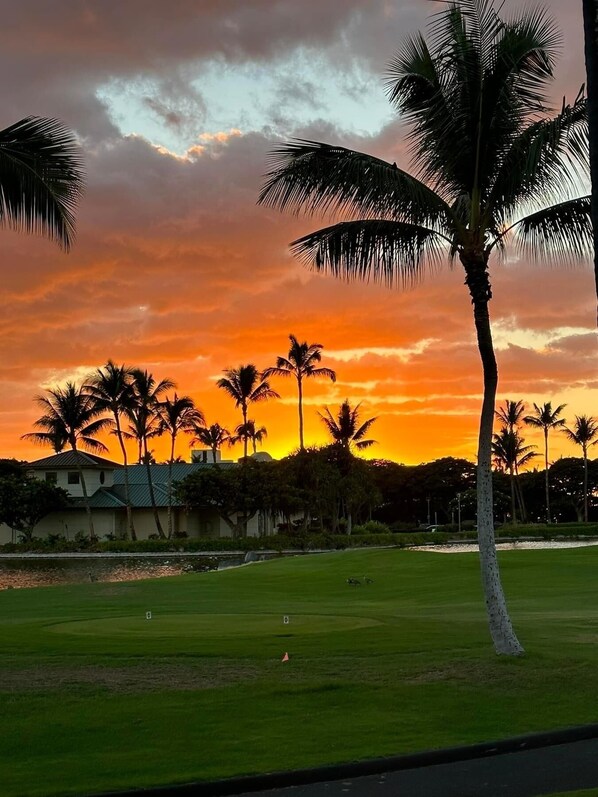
(512, 480)
(150, 485)
(547, 485)
(130, 525)
(301, 446)
(170, 488)
(585, 483)
(214, 449)
(501, 629)
(590, 18)
(245, 435)
(92, 534)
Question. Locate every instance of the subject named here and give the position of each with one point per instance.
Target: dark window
(102, 477)
(73, 477)
(52, 477)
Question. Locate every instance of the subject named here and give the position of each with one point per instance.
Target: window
(102, 477)
(52, 477)
(73, 477)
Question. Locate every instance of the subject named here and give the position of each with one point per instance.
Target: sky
(177, 270)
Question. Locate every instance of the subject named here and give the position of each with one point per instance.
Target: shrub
(371, 527)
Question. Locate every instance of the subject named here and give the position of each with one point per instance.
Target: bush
(371, 527)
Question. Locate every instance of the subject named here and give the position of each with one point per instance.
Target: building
(105, 486)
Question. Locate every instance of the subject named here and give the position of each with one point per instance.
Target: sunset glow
(177, 270)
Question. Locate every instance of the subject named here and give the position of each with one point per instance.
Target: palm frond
(560, 232)
(310, 177)
(327, 372)
(385, 251)
(42, 178)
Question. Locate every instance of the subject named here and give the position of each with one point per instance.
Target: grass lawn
(95, 697)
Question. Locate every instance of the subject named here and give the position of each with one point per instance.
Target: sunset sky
(176, 269)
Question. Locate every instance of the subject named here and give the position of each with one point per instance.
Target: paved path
(563, 767)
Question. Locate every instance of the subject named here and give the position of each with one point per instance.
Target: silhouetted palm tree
(300, 362)
(71, 416)
(245, 386)
(41, 178)
(590, 17)
(111, 389)
(489, 165)
(511, 454)
(145, 423)
(511, 414)
(214, 437)
(248, 431)
(546, 418)
(584, 432)
(347, 429)
(178, 414)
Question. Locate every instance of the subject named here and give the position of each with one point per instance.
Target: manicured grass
(95, 697)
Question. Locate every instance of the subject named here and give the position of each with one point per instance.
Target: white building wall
(93, 480)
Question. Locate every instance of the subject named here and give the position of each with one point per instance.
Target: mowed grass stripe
(401, 664)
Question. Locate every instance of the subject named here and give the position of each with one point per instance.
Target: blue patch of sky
(282, 96)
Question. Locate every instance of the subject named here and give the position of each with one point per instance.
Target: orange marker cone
(285, 657)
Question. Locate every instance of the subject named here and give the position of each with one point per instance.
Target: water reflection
(30, 572)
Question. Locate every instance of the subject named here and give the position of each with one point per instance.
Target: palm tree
(71, 416)
(41, 178)
(301, 363)
(546, 418)
(510, 414)
(590, 18)
(245, 385)
(585, 429)
(111, 389)
(489, 162)
(145, 423)
(214, 437)
(248, 431)
(511, 454)
(345, 429)
(177, 415)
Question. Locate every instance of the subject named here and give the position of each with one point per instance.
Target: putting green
(213, 625)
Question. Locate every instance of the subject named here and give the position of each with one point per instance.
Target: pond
(506, 546)
(37, 570)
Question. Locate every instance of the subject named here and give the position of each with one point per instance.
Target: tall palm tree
(248, 431)
(590, 18)
(490, 165)
(584, 432)
(71, 416)
(347, 429)
(510, 415)
(546, 418)
(300, 362)
(511, 454)
(41, 178)
(214, 437)
(145, 423)
(178, 414)
(111, 389)
(245, 386)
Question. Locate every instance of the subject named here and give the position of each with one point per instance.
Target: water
(37, 571)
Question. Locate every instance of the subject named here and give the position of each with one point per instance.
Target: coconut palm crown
(347, 429)
(584, 434)
(546, 418)
(491, 166)
(301, 363)
(41, 178)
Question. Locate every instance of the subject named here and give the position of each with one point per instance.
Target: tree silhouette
(145, 423)
(110, 387)
(346, 429)
(300, 362)
(511, 454)
(71, 416)
(178, 414)
(491, 165)
(245, 386)
(41, 178)
(214, 437)
(584, 432)
(546, 418)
